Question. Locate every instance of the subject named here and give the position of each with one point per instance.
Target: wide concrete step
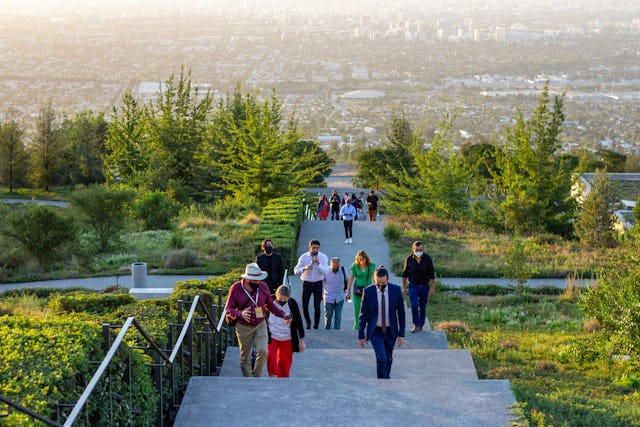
(231, 401)
(360, 363)
(348, 338)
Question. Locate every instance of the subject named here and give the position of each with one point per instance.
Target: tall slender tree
(46, 148)
(126, 154)
(178, 131)
(532, 183)
(13, 155)
(595, 224)
(84, 146)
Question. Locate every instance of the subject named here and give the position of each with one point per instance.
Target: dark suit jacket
(369, 311)
(276, 272)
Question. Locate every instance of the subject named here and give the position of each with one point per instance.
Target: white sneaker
(350, 241)
(346, 241)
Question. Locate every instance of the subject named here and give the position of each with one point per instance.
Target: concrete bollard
(139, 274)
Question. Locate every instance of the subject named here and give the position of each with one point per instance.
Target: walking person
(361, 276)
(362, 211)
(334, 285)
(372, 205)
(348, 213)
(323, 208)
(247, 304)
(310, 268)
(418, 271)
(272, 263)
(382, 320)
(334, 202)
(284, 338)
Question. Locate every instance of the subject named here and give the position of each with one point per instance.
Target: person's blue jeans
(382, 344)
(418, 297)
(333, 310)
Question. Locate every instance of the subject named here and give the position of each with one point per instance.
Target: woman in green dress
(361, 276)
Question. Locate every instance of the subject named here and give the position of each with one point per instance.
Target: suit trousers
(383, 343)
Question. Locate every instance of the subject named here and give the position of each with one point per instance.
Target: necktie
(383, 310)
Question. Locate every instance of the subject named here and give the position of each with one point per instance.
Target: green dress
(360, 278)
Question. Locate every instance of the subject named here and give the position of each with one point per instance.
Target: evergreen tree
(13, 155)
(45, 150)
(178, 131)
(595, 224)
(533, 184)
(439, 184)
(259, 156)
(84, 148)
(126, 152)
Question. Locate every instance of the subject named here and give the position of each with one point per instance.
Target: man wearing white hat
(249, 300)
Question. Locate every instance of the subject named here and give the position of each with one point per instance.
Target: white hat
(252, 272)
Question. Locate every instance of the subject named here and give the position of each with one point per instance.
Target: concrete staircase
(333, 382)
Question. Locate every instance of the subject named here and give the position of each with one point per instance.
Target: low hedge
(93, 303)
(50, 361)
(280, 221)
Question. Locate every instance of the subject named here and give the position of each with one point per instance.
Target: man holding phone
(310, 267)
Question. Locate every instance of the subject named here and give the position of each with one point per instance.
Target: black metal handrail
(210, 350)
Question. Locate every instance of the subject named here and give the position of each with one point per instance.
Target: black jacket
(275, 267)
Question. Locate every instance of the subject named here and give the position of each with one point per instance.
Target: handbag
(359, 290)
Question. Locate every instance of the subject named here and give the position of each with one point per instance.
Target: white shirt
(386, 306)
(280, 330)
(316, 273)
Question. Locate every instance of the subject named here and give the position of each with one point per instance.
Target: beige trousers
(248, 335)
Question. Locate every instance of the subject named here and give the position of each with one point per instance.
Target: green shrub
(103, 210)
(181, 258)
(49, 362)
(392, 233)
(155, 210)
(89, 302)
(177, 241)
(42, 230)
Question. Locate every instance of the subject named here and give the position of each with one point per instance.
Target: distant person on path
(334, 203)
(271, 262)
(335, 285)
(323, 208)
(361, 276)
(362, 211)
(247, 304)
(382, 320)
(310, 267)
(418, 270)
(344, 199)
(372, 205)
(348, 213)
(285, 338)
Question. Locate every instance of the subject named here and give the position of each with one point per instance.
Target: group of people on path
(348, 209)
(267, 317)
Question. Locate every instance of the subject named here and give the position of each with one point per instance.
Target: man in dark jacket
(271, 262)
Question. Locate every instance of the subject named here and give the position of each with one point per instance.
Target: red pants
(279, 358)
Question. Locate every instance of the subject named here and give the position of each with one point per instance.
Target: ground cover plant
(460, 249)
(561, 368)
(570, 354)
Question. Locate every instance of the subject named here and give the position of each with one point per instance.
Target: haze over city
(344, 68)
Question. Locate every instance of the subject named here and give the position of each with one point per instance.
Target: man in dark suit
(382, 319)
(271, 262)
